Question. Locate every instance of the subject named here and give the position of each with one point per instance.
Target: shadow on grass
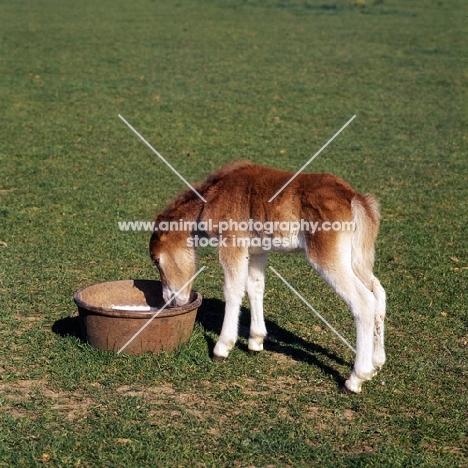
(279, 340)
(69, 326)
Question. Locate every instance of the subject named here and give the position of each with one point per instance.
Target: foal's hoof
(253, 352)
(217, 358)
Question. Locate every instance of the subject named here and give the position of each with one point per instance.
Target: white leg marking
(255, 290)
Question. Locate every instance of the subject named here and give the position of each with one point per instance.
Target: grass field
(207, 82)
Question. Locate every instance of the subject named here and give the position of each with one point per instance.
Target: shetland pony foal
(240, 192)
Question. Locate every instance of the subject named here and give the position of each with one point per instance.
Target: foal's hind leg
(335, 267)
(363, 304)
(255, 290)
(235, 265)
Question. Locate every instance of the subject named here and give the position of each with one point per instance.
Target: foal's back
(242, 191)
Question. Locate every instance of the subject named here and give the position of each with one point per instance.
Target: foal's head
(176, 264)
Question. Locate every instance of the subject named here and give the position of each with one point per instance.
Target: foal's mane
(189, 201)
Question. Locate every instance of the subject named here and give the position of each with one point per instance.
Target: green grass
(206, 83)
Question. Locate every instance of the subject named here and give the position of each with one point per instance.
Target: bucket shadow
(70, 326)
(279, 340)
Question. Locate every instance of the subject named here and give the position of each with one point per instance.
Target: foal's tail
(366, 216)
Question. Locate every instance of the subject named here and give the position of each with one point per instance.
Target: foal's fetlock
(356, 379)
(354, 384)
(221, 351)
(378, 359)
(366, 375)
(256, 344)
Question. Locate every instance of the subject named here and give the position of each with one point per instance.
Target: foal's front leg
(235, 263)
(255, 291)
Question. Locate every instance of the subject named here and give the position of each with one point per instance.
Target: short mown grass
(207, 82)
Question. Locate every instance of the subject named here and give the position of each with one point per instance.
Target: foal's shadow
(279, 340)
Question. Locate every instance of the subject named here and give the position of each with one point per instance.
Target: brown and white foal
(237, 195)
